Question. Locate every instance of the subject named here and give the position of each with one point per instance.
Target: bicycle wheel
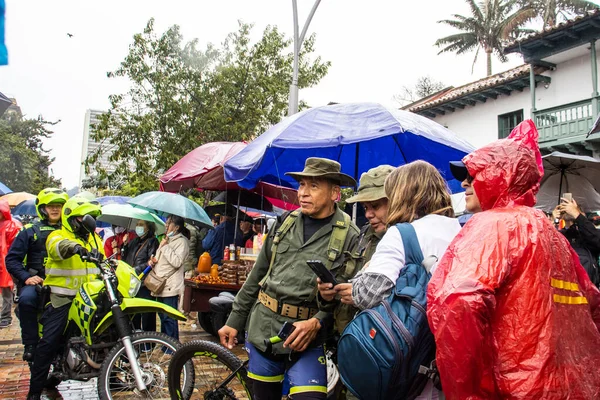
(213, 365)
(154, 351)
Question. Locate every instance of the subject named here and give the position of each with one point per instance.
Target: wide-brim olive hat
(316, 167)
(371, 186)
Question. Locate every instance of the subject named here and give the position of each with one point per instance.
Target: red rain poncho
(513, 312)
(9, 229)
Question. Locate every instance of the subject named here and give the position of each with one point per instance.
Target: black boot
(28, 352)
(34, 396)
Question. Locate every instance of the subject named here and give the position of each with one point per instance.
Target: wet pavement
(14, 372)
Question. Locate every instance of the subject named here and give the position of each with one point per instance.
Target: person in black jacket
(137, 254)
(26, 262)
(582, 234)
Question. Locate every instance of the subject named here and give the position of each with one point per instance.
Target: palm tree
(491, 25)
(550, 10)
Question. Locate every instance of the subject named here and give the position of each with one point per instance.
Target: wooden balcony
(564, 128)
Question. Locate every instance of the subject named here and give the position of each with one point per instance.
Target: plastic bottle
(204, 263)
(214, 271)
(226, 254)
(232, 252)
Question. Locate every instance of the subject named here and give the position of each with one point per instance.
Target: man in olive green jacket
(371, 195)
(282, 288)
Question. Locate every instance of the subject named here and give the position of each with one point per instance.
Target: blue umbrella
(26, 207)
(105, 200)
(4, 189)
(164, 204)
(359, 136)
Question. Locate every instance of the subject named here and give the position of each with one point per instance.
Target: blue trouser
(306, 371)
(28, 310)
(54, 321)
(168, 325)
(145, 321)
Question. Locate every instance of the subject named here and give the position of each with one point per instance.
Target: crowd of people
(512, 311)
(512, 302)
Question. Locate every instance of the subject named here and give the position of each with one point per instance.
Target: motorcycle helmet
(78, 207)
(49, 196)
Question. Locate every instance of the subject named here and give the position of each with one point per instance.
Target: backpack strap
(285, 226)
(412, 249)
(337, 240)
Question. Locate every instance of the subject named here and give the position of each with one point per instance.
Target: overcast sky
(375, 47)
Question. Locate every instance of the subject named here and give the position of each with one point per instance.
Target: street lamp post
(298, 40)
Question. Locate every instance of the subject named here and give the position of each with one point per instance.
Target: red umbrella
(202, 168)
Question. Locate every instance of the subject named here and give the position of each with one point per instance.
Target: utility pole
(298, 40)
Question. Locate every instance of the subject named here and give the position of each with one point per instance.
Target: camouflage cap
(371, 185)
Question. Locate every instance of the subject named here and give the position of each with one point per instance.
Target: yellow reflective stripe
(304, 389)
(564, 285)
(570, 299)
(278, 378)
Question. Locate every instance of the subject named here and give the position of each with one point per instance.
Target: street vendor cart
(198, 291)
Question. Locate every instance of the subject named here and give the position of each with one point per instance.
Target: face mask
(170, 234)
(119, 230)
(140, 230)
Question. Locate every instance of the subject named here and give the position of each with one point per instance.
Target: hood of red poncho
(507, 172)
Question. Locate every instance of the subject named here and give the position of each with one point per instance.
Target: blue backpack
(386, 351)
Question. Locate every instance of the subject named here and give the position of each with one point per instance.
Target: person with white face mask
(137, 253)
(168, 263)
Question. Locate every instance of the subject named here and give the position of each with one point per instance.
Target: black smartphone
(286, 330)
(322, 272)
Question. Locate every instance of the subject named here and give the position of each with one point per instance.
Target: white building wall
(571, 82)
(478, 124)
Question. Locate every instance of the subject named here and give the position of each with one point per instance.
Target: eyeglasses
(469, 179)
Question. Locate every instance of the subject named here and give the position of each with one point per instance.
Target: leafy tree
(425, 86)
(181, 97)
(491, 24)
(551, 11)
(24, 163)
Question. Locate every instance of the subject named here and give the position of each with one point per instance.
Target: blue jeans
(168, 325)
(28, 314)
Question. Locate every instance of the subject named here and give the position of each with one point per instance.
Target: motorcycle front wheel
(154, 352)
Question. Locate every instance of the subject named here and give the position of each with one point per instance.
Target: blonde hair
(415, 190)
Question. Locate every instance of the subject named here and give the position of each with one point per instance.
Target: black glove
(97, 255)
(82, 252)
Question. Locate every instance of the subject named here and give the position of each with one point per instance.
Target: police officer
(371, 195)
(64, 275)
(25, 262)
(282, 288)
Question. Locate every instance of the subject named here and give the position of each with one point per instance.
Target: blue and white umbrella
(105, 200)
(359, 136)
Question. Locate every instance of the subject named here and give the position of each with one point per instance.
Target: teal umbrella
(127, 216)
(165, 204)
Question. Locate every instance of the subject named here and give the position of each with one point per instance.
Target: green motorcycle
(100, 341)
